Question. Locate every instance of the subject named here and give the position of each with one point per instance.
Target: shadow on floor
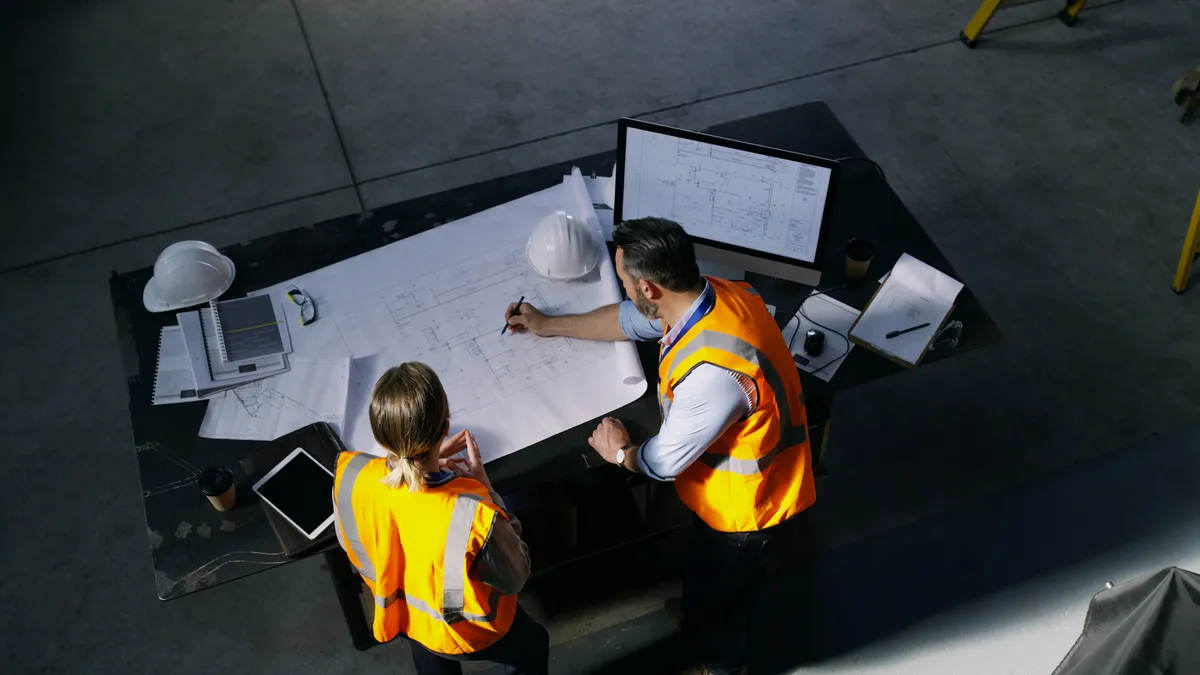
(820, 607)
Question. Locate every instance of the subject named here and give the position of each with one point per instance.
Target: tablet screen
(302, 490)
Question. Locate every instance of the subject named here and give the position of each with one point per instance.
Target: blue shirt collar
(438, 478)
(669, 338)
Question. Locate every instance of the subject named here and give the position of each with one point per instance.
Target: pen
(897, 333)
(517, 311)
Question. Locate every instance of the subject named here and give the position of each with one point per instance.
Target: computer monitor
(747, 207)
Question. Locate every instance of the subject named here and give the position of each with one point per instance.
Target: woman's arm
(503, 562)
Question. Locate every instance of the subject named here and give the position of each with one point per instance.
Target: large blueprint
(439, 297)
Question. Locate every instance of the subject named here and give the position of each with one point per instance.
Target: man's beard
(644, 305)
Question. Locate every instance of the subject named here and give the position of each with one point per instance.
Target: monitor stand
(718, 262)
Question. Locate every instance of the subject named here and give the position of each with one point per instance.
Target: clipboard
(894, 359)
(915, 292)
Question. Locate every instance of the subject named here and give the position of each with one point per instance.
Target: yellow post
(1190, 243)
(982, 16)
(1067, 14)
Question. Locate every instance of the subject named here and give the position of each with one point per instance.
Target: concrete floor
(1047, 164)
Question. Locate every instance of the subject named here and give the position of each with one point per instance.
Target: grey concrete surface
(128, 118)
(995, 586)
(1047, 164)
(493, 74)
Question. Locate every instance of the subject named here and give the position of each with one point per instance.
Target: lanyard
(707, 302)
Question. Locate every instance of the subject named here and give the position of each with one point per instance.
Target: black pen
(517, 311)
(897, 333)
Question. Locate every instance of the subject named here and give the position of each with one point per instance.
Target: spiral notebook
(221, 370)
(211, 375)
(249, 328)
(173, 380)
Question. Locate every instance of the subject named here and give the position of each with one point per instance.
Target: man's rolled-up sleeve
(636, 326)
(706, 403)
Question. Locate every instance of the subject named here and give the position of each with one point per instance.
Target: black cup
(859, 253)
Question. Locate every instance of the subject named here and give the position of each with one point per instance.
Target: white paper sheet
(601, 189)
(913, 294)
(833, 316)
(314, 390)
(606, 222)
(597, 189)
(439, 297)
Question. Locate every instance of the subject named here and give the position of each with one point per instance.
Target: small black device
(814, 342)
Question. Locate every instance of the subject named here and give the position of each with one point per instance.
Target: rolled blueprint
(629, 365)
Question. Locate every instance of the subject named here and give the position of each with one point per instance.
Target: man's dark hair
(658, 250)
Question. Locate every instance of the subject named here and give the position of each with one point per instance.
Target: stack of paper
(914, 294)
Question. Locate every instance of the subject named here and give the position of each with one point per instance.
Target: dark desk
(194, 547)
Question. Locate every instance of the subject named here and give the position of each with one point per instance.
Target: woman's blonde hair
(409, 417)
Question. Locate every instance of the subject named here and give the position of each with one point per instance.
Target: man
(733, 435)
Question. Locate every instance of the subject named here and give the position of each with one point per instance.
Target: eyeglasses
(308, 308)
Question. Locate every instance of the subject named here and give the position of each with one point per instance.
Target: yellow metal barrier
(983, 15)
(1191, 246)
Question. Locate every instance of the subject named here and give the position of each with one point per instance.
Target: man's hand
(608, 438)
(472, 466)
(529, 318)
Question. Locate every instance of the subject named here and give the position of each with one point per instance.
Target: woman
(431, 538)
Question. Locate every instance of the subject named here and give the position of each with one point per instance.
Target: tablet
(301, 489)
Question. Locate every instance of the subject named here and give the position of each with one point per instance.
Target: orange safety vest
(759, 472)
(415, 549)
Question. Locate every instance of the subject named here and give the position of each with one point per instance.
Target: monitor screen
(743, 197)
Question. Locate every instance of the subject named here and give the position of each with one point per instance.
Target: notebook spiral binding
(162, 336)
(219, 338)
(216, 316)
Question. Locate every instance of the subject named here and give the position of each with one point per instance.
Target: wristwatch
(625, 450)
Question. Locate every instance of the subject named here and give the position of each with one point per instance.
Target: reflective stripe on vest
(457, 539)
(420, 605)
(345, 514)
(456, 550)
(790, 435)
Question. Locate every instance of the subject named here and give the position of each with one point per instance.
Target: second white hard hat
(562, 247)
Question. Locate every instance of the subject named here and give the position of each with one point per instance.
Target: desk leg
(347, 586)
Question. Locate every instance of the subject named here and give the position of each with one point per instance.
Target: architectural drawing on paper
(261, 401)
(727, 195)
(314, 390)
(452, 322)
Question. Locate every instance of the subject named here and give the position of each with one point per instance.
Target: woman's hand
(472, 466)
(452, 445)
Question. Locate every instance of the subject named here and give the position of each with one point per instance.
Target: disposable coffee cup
(859, 253)
(217, 484)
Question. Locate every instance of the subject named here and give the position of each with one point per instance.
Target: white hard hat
(562, 248)
(187, 273)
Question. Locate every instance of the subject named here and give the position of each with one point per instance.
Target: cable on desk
(801, 312)
(864, 159)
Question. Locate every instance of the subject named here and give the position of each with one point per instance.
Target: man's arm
(707, 402)
(610, 323)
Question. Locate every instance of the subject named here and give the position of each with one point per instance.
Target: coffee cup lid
(859, 248)
(216, 481)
